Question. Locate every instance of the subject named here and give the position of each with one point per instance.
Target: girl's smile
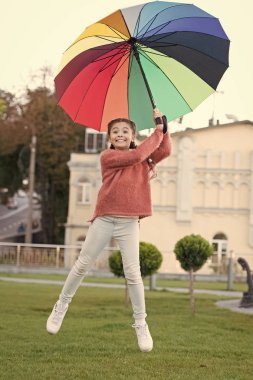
(121, 135)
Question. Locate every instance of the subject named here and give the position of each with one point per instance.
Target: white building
(205, 187)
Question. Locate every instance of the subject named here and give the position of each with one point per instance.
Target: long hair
(131, 125)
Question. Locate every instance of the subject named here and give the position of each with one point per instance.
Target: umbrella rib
(125, 23)
(118, 68)
(137, 24)
(186, 47)
(130, 65)
(162, 26)
(161, 45)
(181, 31)
(173, 6)
(142, 51)
(151, 61)
(150, 24)
(105, 38)
(107, 66)
(113, 30)
(121, 51)
(112, 55)
(114, 73)
(103, 58)
(84, 95)
(182, 18)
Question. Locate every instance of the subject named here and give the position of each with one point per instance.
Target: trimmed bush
(150, 260)
(192, 252)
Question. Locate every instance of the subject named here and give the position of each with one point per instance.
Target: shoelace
(57, 313)
(141, 329)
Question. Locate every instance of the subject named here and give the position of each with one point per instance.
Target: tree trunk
(152, 281)
(44, 220)
(192, 298)
(127, 299)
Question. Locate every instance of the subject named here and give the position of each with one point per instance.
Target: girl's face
(121, 135)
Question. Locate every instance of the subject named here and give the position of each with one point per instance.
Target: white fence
(19, 255)
(46, 255)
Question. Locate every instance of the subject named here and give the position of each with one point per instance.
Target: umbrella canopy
(171, 55)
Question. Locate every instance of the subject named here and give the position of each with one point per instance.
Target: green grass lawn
(97, 342)
(210, 285)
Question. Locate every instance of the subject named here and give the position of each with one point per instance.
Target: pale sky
(35, 33)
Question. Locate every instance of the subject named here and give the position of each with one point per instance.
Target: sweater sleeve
(163, 150)
(121, 158)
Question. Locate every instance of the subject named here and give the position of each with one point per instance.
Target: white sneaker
(145, 340)
(56, 317)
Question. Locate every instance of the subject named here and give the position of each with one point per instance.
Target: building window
(95, 142)
(84, 192)
(220, 252)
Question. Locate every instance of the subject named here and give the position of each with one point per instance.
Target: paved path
(233, 305)
(121, 286)
(54, 282)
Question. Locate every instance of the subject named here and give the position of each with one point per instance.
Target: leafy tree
(37, 113)
(56, 139)
(3, 107)
(192, 252)
(10, 174)
(116, 264)
(13, 139)
(150, 261)
(11, 135)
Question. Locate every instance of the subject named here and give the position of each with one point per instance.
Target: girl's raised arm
(121, 158)
(163, 151)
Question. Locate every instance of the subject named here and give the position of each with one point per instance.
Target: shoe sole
(147, 350)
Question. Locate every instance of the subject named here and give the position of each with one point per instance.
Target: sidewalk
(233, 305)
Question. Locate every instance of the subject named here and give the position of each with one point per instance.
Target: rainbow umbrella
(169, 55)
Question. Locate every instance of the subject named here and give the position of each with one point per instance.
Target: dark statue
(247, 299)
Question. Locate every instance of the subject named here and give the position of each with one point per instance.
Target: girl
(123, 199)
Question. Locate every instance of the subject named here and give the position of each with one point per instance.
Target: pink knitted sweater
(125, 189)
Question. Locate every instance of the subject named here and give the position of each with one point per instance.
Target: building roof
(214, 126)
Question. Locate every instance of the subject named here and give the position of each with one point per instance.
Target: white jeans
(126, 232)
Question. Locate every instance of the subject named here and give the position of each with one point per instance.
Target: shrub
(150, 260)
(192, 251)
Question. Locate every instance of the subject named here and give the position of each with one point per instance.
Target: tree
(37, 113)
(56, 139)
(150, 262)
(150, 259)
(13, 139)
(10, 173)
(192, 252)
(11, 135)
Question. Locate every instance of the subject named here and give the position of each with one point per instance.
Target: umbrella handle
(163, 121)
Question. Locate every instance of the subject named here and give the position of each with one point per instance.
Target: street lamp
(28, 234)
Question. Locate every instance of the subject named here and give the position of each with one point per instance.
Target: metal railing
(46, 255)
(20, 256)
